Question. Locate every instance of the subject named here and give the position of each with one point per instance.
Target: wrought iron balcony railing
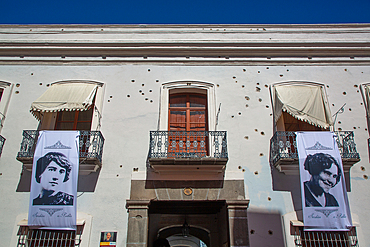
(283, 149)
(188, 144)
(90, 145)
(2, 141)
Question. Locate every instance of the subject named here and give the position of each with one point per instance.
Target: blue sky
(184, 12)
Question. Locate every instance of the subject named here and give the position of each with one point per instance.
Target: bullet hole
(339, 122)
(30, 29)
(239, 113)
(256, 130)
(267, 68)
(146, 99)
(47, 85)
(259, 72)
(355, 85)
(270, 114)
(16, 92)
(140, 91)
(31, 73)
(120, 166)
(252, 231)
(358, 91)
(142, 85)
(345, 69)
(128, 96)
(117, 175)
(366, 177)
(239, 167)
(104, 57)
(109, 100)
(243, 170)
(261, 154)
(365, 129)
(281, 75)
(232, 116)
(270, 232)
(260, 100)
(349, 109)
(362, 168)
(62, 29)
(354, 128)
(256, 173)
(287, 70)
(262, 133)
(151, 101)
(327, 86)
(40, 83)
(266, 85)
(218, 85)
(148, 70)
(361, 103)
(243, 86)
(132, 80)
(267, 106)
(156, 80)
(246, 105)
(236, 81)
(332, 104)
(244, 70)
(135, 169)
(110, 96)
(269, 199)
(1, 173)
(246, 137)
(17, 85)
(247, 98)
(150, 91)
(258, 89)
(234, 77)
(344, 93)
(102, 29)
(339, 129)
(257, 83)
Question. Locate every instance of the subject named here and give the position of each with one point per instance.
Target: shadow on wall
(86, 183)
(265, 228)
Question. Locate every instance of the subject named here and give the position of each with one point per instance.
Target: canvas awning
(65, 97)
(306, 102)
(367, 97)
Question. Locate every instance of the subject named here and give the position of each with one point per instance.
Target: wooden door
(187, 125)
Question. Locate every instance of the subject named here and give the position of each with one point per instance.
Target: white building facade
(185, 138)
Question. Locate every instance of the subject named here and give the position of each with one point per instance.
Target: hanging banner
(324, 196)
(54, 180)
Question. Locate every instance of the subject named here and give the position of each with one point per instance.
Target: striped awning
(69, 96)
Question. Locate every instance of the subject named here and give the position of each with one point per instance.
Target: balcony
(284, 156)
(2, 141)
(204, 151)
(90, 145)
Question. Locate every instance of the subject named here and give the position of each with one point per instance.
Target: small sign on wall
(108, 239)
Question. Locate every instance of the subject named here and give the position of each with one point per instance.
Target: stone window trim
(6, 88)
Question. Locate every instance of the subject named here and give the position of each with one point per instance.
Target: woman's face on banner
(327, 179)
(52, 176)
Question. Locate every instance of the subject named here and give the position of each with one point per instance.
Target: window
(300, 106)
(74, 120)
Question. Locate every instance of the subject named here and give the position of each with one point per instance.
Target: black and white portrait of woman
(325, 174)
(52, 172)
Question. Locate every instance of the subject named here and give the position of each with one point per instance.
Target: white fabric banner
(324, 196)
(54, 180)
